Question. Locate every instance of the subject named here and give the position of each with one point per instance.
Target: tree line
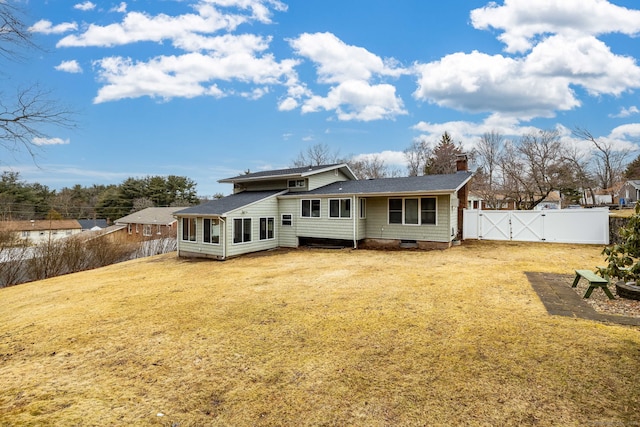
(524, 170)
(20, 200)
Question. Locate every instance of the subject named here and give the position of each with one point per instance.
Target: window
(311, 208)
(412, 211)
(340, 208)
(266, 228)
(146, 230)
(287, 219)
(129, 228)
(241, 230)
(395, 211)
(25, 234)
(428, 210)
(189, 229)
(363, 208)
(296, 183)
(211, 231)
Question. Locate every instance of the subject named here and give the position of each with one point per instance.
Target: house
(148, 224)
(325, 204)
(500, 202)
(552, 201)
(37, 231)
(629, 192)
(93, 224)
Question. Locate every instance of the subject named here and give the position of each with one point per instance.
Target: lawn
(315, 337)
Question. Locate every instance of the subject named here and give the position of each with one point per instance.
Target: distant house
(149, 224)
(552, 201)
(629, 192)
(93, 224)
(325, 204)
(476, 201)
(37, 231)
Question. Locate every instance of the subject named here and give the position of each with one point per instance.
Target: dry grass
(369, 338)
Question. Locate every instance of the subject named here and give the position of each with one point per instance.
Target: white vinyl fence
(588, 226)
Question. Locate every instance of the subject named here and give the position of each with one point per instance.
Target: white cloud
(338, 62)
(87, 5)
(69, 66)
(478, 82)
(121, 8)
(350, 69)
(626, 112)
(181, 30)
(187, 76)
(50, 141)
(584, 61)
(523, 20)
(46, 27)
(358, 100)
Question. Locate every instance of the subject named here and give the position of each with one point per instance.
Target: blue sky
(210, 88)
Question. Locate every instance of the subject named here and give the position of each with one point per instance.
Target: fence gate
(589, 226)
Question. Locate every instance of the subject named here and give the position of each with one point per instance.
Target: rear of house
(290, 207)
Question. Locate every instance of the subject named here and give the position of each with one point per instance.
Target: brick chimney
(462, 163)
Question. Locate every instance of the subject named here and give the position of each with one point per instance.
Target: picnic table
(594, 280)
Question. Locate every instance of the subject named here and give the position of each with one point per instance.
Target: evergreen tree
(443, 157)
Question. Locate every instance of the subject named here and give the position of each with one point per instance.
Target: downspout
(356, 214)
(224, 240)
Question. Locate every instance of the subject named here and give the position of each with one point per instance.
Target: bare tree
(315, 155)
(487, 153)
(370, 167)
(609, 162)
(579, 164)
(25, 113)
(416, 156)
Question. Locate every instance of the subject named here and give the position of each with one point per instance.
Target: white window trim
(147, 230)
(267, 218)
(297, 183)
(290, 219)
(195, 225)
(233, 232)
(219, 231)
(339, 209)
(419, 224)
(363, 202)
(310, 210)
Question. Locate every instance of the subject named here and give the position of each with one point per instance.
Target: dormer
(294, 179)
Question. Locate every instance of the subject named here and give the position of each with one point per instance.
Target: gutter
(356, 215)
(224, 240)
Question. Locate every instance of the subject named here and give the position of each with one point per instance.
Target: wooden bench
(594, 280)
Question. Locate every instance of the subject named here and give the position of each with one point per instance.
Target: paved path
(555, 292)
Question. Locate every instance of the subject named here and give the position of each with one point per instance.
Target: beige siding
(325, 178)
(264, 209)
(378, 226)
(265, 185)
(199, 247)
(323, 227)
(287, 236)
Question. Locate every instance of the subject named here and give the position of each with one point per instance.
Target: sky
(211, 88)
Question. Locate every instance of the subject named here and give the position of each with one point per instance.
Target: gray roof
(88, 224)
(227, 204)
(413, 184)
(150, 216)
(288, 173)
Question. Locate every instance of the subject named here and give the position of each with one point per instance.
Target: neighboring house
(552, 201)
(502, 202)
(629, 192)
(93, 224)
(290, 207)
(37, 231)
(149, 224)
